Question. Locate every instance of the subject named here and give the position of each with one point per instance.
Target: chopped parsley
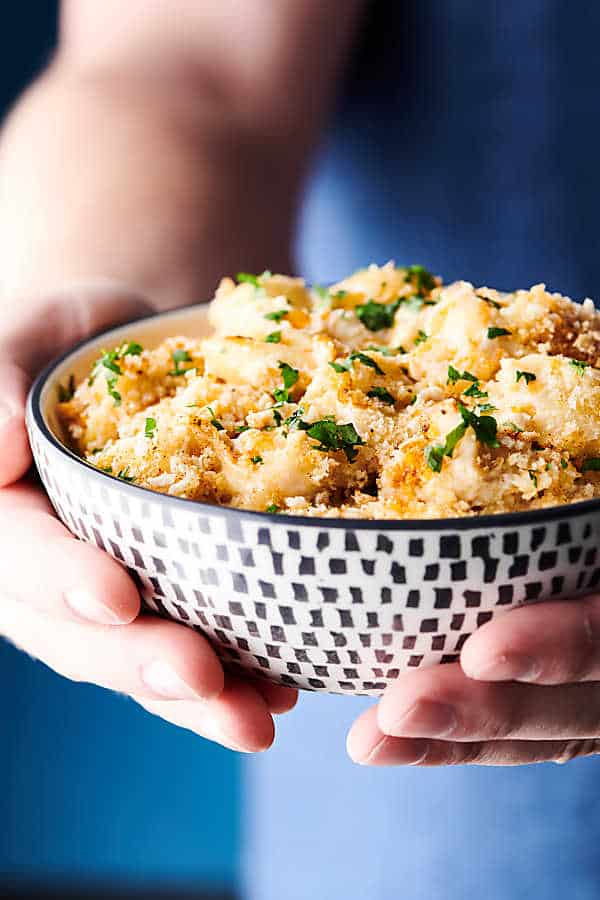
(277, 316)
(421, 278)
(125, 476)
(497, 332)
(475, 391)
(150, 427)
(254, 280)
(380, 393)
(528, 376)
(454, 375)
(273, 338)
(485, 428)
(346, 365)
(131, 349)
(322, 292)
(295, 420)
(257, 460)
(377, 316)
(290, 377)
(563, 464)
(214, 421)
(179, 356)
(489, 300)
(272, 508)
(331, 436)
(386, 351)
(66, 393)
(591, 464)
(579, 365)
(416, 303)
(421, 338)
(533, 477)
(511, 426)
(241, 429)
(486, 407)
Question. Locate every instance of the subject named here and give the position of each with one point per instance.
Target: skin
(132, 174)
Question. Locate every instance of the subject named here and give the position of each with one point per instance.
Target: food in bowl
(388, 395)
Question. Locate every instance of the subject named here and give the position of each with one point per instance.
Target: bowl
(336, 605)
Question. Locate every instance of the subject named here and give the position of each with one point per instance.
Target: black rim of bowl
(463, 523)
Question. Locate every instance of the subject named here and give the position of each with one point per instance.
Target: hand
(72, 606)
(525, 691)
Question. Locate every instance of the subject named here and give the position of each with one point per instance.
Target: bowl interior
(189, 322)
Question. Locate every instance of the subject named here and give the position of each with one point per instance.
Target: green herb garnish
(475, 391)
(580, 366)
(125, 476)
(513, 427)
(254, 280)
(380, 393)
(377, 316)
(533, 477)
(214, 421)
(150, 427)
(454, 375)
(179, 356)
(497, 332)
(386, 351)
(335, 437)
(528, 376)
(591, 464)
(421, 338)
(273, 338)
(272, 508)
(421, 278)
(485, 428)
(563, 464)
(277, 316)
(131, 349)
(257, 460)
(66, 393)
(346, 365)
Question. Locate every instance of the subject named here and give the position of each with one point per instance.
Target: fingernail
(390, 751)
(164, 681)
(506, 668)
(88, 607)
(424, 719)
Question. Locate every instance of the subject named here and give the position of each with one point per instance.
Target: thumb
(32, 335)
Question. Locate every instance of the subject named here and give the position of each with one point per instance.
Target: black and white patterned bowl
(322, 604)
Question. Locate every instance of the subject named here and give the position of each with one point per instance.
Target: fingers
(68, 578)
(150, 658)
(32, 337)
(441, 702)
(548, 643)
(278, 697)
(31, 334)
(15, 455)
(238, 719)
(369, 746)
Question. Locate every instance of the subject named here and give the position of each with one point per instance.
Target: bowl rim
(540, 516)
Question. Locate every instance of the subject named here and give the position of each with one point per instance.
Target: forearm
(96, 183)
(161, 179)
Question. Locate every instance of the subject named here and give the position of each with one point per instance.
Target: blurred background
(97, 798)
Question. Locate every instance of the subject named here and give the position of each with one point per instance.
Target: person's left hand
(525, 690)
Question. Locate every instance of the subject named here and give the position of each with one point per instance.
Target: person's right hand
(71, 605)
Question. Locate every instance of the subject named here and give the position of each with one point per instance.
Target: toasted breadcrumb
(387, 395)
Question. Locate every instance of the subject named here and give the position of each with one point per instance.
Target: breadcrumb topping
(387, 395)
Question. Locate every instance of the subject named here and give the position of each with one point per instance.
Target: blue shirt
(471, 145)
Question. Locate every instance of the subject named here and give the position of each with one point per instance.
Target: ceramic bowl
(322, 604)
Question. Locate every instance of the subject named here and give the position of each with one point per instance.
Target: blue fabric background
(471, 147)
